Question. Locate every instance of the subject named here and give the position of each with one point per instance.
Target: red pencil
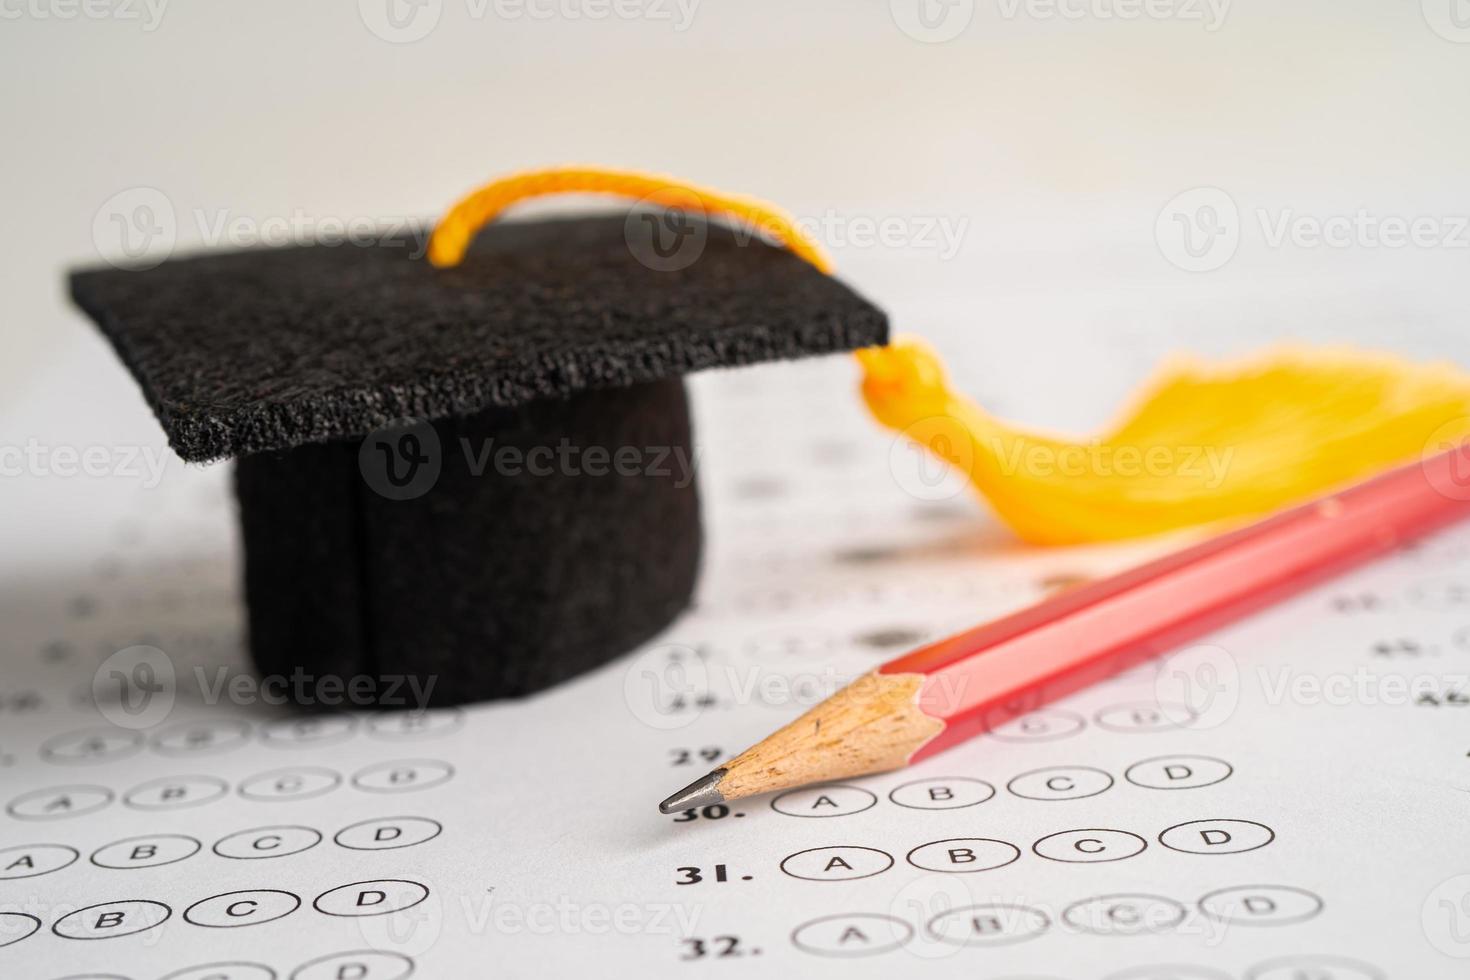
(953, 690)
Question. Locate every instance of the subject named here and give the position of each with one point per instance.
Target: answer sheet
(1288, 799)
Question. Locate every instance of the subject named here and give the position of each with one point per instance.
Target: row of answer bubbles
(1050, 783)
(257, 843)
(1128, 718)
(277, 785)
(100, 744)
(968, 855)
(1002, 923)
(361, 964)
(228, 910)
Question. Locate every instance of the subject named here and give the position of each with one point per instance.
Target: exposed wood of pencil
(872, 725)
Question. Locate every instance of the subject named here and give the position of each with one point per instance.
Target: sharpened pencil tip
(702, 792)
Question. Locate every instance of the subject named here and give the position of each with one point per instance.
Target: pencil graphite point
(702, 792)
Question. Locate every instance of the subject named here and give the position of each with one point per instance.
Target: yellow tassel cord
(1202, 443)
(456, 229)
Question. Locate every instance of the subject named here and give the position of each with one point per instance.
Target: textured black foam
(479, 586)
(274, 348)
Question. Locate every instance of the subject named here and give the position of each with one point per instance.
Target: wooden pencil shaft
(960, 687)
(990, 675)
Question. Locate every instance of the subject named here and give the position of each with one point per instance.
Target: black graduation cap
(378, 405)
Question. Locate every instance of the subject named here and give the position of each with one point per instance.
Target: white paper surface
(1323, 776)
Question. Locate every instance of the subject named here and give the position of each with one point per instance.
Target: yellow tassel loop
(1202, 443)
(455, 231)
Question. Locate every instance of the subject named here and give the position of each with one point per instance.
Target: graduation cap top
(366, 390)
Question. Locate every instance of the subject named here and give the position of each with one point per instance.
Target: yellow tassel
(1202, 443)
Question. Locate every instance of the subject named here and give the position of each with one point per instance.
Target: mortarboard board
(467, 473)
